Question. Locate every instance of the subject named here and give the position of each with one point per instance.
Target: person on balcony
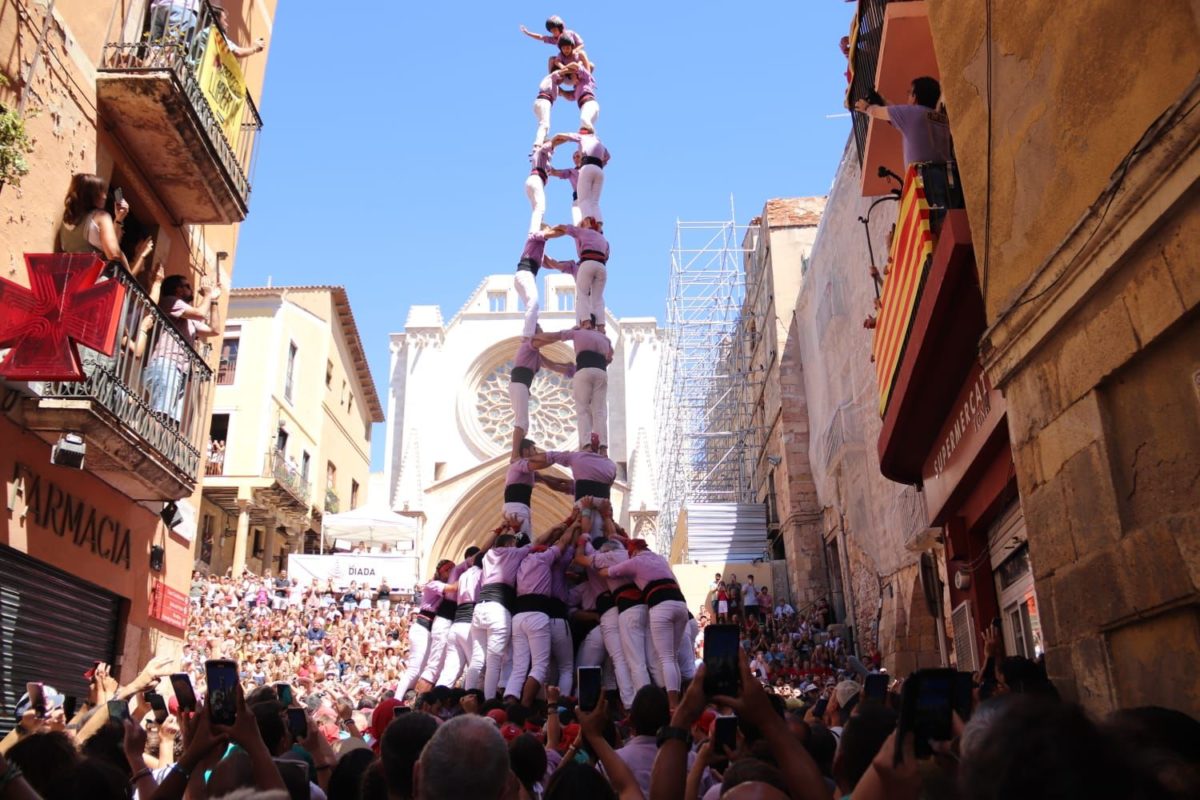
(173, 21)
(88, 228)
(222, 20)
(923, 128)
(556, 32)
(170, 362)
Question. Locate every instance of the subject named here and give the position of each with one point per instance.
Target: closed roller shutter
(52, 627)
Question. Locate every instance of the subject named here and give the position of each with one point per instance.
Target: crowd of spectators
(806, 725)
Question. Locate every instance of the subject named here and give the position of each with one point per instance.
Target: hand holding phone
(588, 680)
(158, 705)
(118, 710)
(185, 695)
(926, 710)
(724, 736)
(221, 676)
(875, 687)
(37, 698)
(297, 723)
(721, 673)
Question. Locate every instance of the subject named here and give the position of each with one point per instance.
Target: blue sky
(395, 144)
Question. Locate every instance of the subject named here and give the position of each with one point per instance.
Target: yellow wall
(1082, 80)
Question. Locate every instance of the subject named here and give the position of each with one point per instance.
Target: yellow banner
(222, 83)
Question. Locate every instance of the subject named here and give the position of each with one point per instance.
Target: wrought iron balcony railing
(178, 39)
(155, 383)
(288, 476)
(864, 61)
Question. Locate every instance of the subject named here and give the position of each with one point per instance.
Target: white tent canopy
(372, 525)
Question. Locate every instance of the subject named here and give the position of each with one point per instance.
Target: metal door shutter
(52, 627)
(964, 638)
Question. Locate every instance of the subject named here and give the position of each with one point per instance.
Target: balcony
(193, 141)
(137, 441)
(941, 342)
(893, 46)
(332, 503)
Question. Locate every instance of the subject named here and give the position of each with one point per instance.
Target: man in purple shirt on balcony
(593, 352)
(593, 158)
(923, 129)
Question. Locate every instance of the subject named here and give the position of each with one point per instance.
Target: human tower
(522, 610)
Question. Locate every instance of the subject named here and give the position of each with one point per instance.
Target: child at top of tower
(556, 32)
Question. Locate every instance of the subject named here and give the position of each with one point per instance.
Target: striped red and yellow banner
(912, 250)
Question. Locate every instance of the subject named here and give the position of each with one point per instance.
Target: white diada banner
(369, 569)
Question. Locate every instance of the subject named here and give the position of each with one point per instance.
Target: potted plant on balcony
(14, 144)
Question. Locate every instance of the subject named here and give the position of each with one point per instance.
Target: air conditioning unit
(964, 638)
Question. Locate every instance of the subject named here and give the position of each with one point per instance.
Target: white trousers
(610, 629)
(588, 113)
(493, 622)
(527, 290)
(592, 653)
(476, 656)
(535, 190)
(418, 649)
(635, 644)
(576, 214)
(590, 387)
(541, 110)
(687, 650)
(518, 398)
(668, 622)
(521, 511)
(591, 183)
(437, 649)
(589, 291)
(530, 651)
(458, 653)
(563, 654)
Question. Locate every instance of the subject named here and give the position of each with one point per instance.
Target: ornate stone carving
(551, 408)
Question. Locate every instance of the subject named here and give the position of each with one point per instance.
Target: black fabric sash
(518, 493)
(590, 358)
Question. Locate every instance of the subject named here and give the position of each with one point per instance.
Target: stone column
(240, 541)
(268, 556)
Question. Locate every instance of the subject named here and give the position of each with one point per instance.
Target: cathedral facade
(449, 422)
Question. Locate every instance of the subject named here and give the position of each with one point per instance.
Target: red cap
(498, 716)
(706, 720)
(91, 673)
(510, 731)
(173, 705)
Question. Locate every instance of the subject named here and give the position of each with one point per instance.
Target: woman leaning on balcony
(88, 228)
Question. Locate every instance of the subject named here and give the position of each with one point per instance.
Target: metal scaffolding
(709, 435)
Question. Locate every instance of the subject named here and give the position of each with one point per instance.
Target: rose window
(551, 408)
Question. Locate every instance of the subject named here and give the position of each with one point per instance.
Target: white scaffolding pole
(707, 392)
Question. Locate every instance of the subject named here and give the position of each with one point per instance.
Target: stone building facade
(449, 423)
(1088, 255)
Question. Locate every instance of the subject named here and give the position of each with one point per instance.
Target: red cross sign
(63, 307)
